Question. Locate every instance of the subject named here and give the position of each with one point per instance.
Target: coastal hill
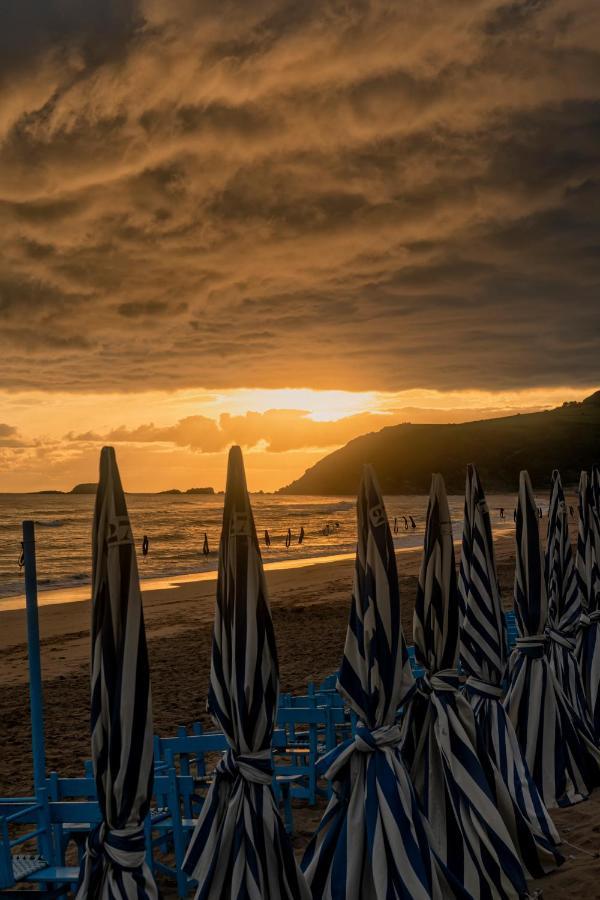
(404, 456)
(88, 488)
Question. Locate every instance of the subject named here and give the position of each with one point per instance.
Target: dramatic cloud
(359, 195)
(276, 430)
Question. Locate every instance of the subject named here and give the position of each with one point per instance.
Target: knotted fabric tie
(587, 619)
(365, 740)
(442, 680)
(532, 645)
(485, 688)
(255, 767)
(561, 639)
(124, 849)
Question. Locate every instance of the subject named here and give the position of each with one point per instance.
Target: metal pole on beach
(35, 668)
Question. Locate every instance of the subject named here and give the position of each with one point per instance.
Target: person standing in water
(288, 538)
(205, 548)
(145, 545)
(501, 512)
(267, 538)
(413, 524)
(301, 535)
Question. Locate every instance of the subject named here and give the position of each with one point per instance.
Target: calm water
(175, 525)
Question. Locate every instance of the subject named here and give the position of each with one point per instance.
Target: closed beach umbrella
(463, 798)
(595, 481)
(564, 601)
(588, 577)
(483, 655)
(372, 843)
(114, 866)
(558, 746)
(239, 848)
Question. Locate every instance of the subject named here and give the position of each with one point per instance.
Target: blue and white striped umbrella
(564, 601)
(372, 843)
(239, 848)
(558, 746)
(468, 810)
(588, 577)
(483, 655)
(595, 482)
(114, 865)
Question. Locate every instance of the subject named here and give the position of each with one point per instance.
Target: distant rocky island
(194, 490)
(85, 488)
(91, 487)
(404, 456)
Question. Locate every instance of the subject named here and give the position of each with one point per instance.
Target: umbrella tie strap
(442, 680)
(124, 848)
(587, 619)
(255, 767)
(561, 639)
(367, 740)
(485, 688)
(532, 645)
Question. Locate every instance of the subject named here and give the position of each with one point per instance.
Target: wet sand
(310, 609)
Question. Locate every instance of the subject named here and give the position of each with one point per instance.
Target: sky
(285, 224)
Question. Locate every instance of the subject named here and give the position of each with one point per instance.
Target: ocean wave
(52, 523)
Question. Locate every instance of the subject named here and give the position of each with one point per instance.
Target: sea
(177, 523)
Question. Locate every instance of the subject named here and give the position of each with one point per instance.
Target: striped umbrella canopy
(483, 655)
(564, 601)
(114, 866)
(467, 808)
(372, 843)
(595, 481)
(239, 848)
(558, 746)
(588, 577)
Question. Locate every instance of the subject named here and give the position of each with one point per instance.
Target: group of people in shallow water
(413, 524)
(328, 528)
(539, 509)
(332, 527)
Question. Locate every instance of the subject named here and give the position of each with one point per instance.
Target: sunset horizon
(182, 438)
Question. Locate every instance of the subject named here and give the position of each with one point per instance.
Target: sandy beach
(310, 608)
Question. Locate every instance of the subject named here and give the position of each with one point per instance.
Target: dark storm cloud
(358, 195)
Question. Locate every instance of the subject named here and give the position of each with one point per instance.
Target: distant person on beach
(301, 535)
(288, 538)
(501, 512)
(413, 524)
(540, 512)
(145, 545)
(405, 523)
(205, 548)
(267, 538)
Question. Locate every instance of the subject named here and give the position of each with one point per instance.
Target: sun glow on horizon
(180, 438)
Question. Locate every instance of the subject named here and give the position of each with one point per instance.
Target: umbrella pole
(35, 668)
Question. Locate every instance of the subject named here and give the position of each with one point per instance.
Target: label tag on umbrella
(377, 515)
(240, 524)
(119, 532)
